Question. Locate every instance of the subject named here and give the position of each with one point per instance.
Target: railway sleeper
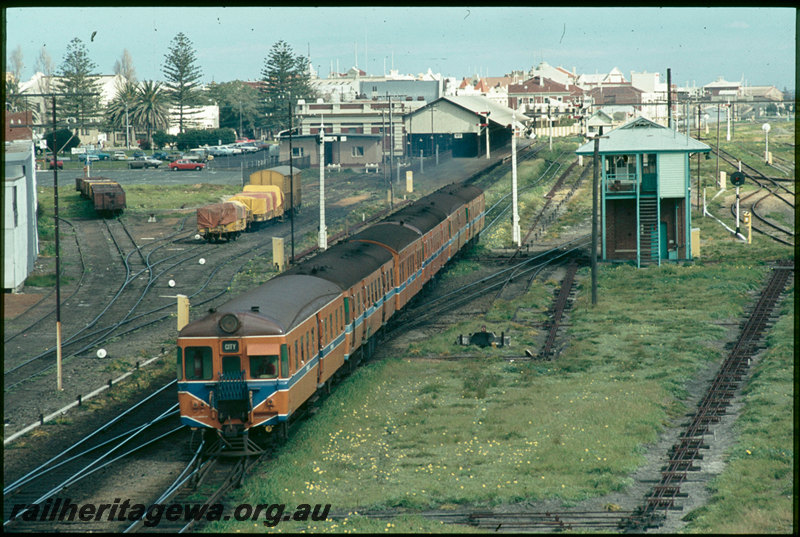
(667, 490)
(663, 504)
(680, 465)
(692, 444)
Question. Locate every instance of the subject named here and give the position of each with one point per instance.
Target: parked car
(102, 156)
(198, 154)
(138, 153)
(160, 155)
(172, 157)
(249, 147)
(90, 157)
(59, 163)
(120, 155)
(144, 162)
(186, 165)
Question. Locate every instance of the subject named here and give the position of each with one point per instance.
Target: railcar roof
(344, 264)
(391, 234)
(446, 202)
(421, 216)
(282, 302)
(464, 192)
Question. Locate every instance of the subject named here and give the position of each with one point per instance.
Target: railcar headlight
(229, 323)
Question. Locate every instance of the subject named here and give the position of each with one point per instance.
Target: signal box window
(264, 367)
(358, 151)
(297, 151)
(198, 363)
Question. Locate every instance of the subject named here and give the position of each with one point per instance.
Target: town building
(540, 97)
(645, 192)
(20, 233)
(459, 124)
(379, 117)
(721, 90)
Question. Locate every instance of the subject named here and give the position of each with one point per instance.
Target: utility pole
(323, 236)
(127, 129)
(595, 173)
(728, 115)
(716, 177)
(291, 178)
(699, 121)
(515, 217)
(486, 125)
(59, 376)
(596, 168)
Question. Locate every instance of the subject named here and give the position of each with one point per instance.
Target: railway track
(63, 476)
(774, 189)
(685, 456)
(495, 281)
(43, 303)
(517, 521)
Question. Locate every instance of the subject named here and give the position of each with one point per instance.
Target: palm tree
(121, 106)
(15, 100)
(151, 108)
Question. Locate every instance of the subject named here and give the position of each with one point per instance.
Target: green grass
(482, 431)
(755, 492)
(421, 434)
(144, 198)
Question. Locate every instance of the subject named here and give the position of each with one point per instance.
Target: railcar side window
(264, 367)
(180, 363)
(296, 355)
(198, 363)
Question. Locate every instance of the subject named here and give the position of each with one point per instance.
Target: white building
(20, 235)
(653, 91)
(203, 117)
(614, 76)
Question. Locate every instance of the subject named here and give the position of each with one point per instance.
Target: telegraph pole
(291, 179)
(596, 168)
(515, 218)
(59, 377)
(323, 236)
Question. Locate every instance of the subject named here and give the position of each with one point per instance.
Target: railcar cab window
(198, 363)
(231, 365)
(264, 367)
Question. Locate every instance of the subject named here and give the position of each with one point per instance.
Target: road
(160, 176)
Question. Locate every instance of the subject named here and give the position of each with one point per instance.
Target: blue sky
(698, 44)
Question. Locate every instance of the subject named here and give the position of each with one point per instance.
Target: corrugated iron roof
(642, 135)
(478, 104)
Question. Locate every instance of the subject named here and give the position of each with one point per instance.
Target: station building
(459, 124)
(645, 193)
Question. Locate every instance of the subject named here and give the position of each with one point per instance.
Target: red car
(186, 165)
(51, 164)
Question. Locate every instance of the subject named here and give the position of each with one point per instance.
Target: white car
(120, 155)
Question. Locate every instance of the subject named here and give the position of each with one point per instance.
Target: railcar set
(249, 365)
(106, 194)
(271, 194)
